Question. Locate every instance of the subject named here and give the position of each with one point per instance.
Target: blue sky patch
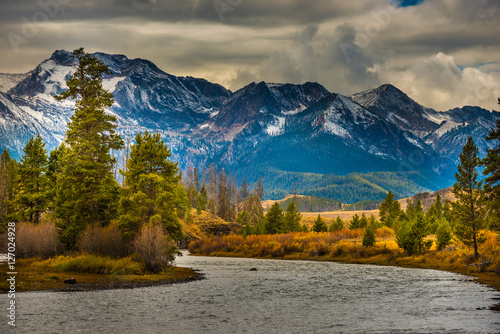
(409, 3)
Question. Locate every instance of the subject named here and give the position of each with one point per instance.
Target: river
(280, 297)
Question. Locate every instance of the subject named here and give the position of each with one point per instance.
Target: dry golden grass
(91, 272)
(345, 246)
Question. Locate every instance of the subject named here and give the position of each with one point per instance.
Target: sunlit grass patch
(93, 264)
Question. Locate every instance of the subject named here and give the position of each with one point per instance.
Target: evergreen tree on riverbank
(492, 172)
(8, 178)
(468, 209)
(87, 192)
(31, 198)
(149, 195)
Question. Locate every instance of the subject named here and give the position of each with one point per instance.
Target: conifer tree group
(75, 185)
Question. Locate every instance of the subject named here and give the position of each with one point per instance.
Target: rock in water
(70, 281)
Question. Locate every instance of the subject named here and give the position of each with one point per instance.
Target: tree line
(74, 184)
(477, 205)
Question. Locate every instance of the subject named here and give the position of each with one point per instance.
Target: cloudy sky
(443, 53)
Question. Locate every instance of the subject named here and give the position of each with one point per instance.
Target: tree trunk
(476, 253)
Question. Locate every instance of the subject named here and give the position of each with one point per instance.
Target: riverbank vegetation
(69, 202)
(347, 246)
(91, 272)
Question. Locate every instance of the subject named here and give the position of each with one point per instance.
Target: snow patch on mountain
(9, 80)
(294, 111)
(277, 127)
(335, 129)
(446, 127)
(109, 84)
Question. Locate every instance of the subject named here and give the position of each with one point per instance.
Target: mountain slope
(262, 129)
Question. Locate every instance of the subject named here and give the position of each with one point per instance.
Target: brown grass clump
(40, 240)
(153, 248)
(105, 241)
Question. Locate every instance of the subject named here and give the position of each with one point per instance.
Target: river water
(280, 297)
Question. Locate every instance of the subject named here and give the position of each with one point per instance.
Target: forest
(69, 199)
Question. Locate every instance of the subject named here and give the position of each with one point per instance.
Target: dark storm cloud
(347, 46)
(237, 12)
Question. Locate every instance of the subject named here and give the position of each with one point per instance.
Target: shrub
(336, 225)
(384, 232)
(443, 235)
(40, 240)
(105, 241)
(369, 236)
(153, 248)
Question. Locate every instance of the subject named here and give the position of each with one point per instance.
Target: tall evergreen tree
(319, 225)
(223, 206)
(150, 194)
(244, 190)
(31, 199)
(492, 172)
(291, 221)
(8, 180)
(87, 193)
(274, 221)
(354, 222)
(259, 189)
(212, 190)
(389, 210)
(53, 170)
(202, 199)
(468, 208)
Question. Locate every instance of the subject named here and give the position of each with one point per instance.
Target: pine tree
(87, 193)
(369, 236)
(410, 236)
(291, 221)
(492, 172)
(354, 222)
(31, 199)
(8, 178)
(259, 189)
(151, 193)
(243, 190)
(443, 234)
(467, 209)
(319, 225)
(212, 191)
(53, 170)
(336, 225)
(202, 199)
(434, 214)
(363, 221)
(389, 210)
(223, 203)
(274, 217)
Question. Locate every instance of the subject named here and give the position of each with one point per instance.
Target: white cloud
(443, 53)
(439, 83)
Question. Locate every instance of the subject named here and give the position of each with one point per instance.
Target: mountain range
(324, 144)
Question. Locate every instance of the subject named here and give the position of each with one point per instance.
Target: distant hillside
(204, 225)
(428, 199)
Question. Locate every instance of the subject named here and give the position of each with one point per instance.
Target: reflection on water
(280, 297)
